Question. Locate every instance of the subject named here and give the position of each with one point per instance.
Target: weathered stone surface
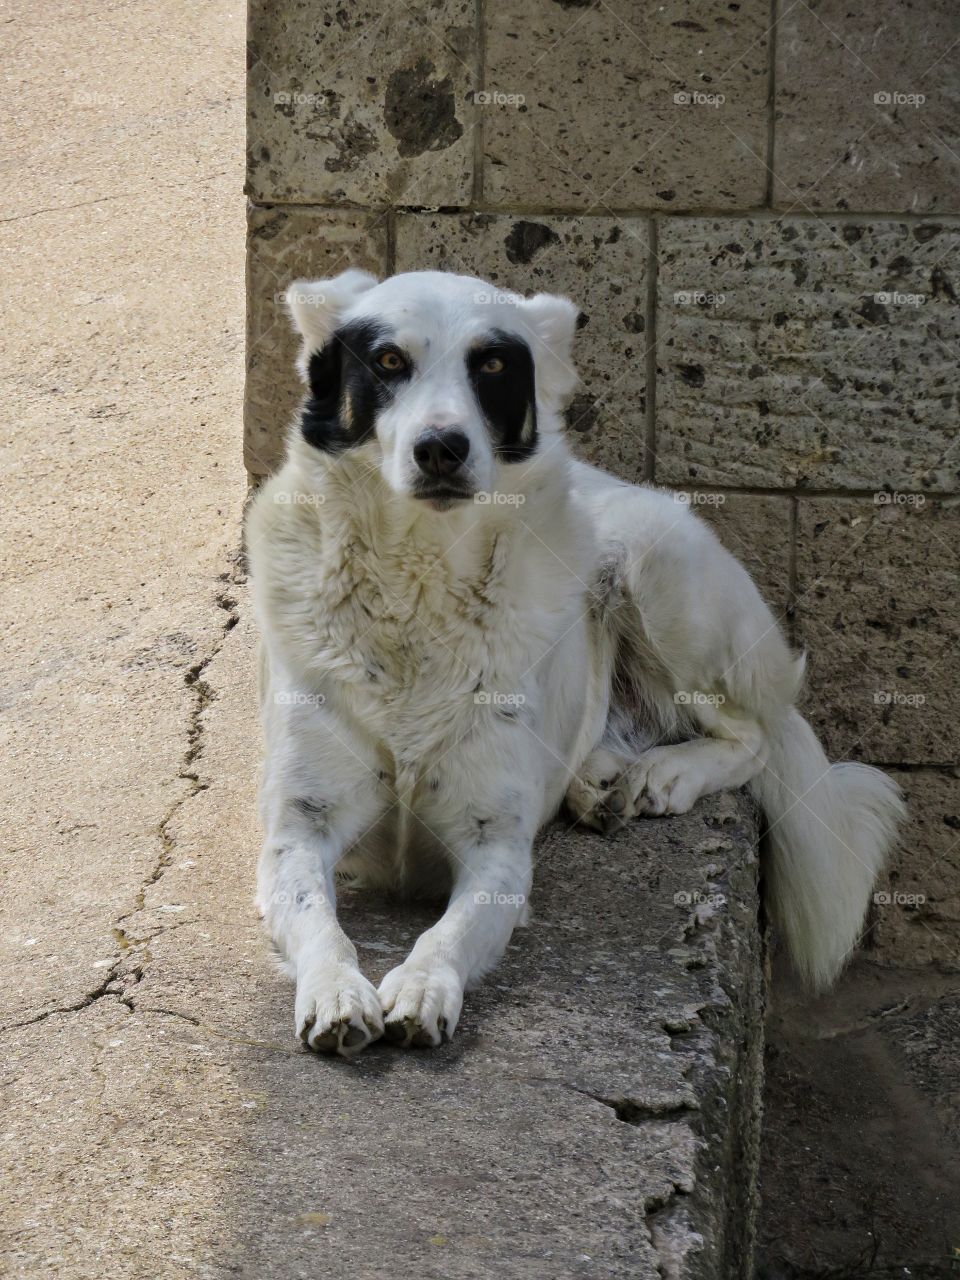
(602, 266)
(861, 1125)
(916, 917)
(876, 611)
(596, 1112)
(361, 103)
(929, 1044)
(850, 133)
(285, 245)
(808, 352)
(758, 531)
(620, 106)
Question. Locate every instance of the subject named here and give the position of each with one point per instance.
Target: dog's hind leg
(593, 781)
(672, 778)
(708, 657)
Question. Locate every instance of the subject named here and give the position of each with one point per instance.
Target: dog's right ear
(316, 306)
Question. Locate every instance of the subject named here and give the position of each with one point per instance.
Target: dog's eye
(391, 362)
(493, 365)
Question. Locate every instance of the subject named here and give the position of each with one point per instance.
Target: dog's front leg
(336, 1009)
(422, 997)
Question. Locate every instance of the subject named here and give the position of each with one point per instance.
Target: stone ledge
(597, 1112)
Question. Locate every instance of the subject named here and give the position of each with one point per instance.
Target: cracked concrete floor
(122, 224)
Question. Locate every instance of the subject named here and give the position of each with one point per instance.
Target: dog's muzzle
(440, 454)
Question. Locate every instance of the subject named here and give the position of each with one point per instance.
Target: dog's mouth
(442, 497)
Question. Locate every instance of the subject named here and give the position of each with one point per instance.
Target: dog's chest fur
(417, 633)
(398, 624)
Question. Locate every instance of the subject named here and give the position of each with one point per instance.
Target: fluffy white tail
(831, 827)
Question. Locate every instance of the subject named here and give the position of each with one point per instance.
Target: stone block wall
(757, 212)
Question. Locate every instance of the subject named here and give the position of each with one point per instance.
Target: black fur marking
(608, 592)
(347, 389)
(507, 399)
(316, 810)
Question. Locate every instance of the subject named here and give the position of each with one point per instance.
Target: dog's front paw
(337, 1010)
(421, 1001)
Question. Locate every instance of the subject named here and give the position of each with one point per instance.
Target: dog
(464, 627)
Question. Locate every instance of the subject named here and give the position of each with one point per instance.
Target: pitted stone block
(808, 352)
(876, 612)
(624, 106)
(363, 104)
(915, 919)
(866, 107)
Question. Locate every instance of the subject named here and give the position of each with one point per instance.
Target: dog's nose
(440, 453)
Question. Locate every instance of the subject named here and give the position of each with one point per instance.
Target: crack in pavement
(204, 695)
(105, 990)
(294, 1050)
(633, 1111)
(124, 969)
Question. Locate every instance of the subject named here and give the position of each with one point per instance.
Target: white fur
(435, 682)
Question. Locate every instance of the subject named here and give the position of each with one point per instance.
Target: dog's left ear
(552, 323)
(316, 306)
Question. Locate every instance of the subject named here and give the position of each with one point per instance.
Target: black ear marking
(507, 399)
(320, 418)
(346, 393)
(323, 376)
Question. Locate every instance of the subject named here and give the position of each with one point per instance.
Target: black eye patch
(348, 389)
(507, 398)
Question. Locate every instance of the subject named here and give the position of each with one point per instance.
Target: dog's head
(449, 380)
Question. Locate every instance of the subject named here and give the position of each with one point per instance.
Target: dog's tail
(830, 828)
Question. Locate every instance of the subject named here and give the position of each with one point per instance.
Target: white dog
(463, 626)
